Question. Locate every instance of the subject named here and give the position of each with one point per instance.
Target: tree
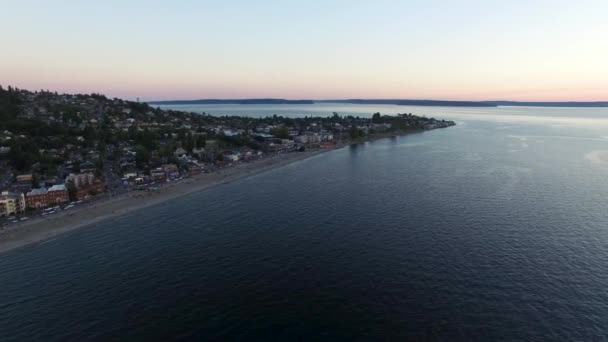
(142, 156)
(200, 141)
(376, 117)
(76, 166)
(99, 168)
(188, 142)
(22, 155)
(72, 191)
(280, 132)
(35, 181)
(354, 132)
(90, 135)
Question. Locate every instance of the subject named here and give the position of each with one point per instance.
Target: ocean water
(495, 229)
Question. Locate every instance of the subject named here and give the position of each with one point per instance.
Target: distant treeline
(435, 103)
(231, 101)
(549, 104)
(441, 103)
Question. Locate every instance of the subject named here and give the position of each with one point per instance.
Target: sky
(543, 50)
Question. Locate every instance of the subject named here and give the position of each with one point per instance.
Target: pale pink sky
(474, 50)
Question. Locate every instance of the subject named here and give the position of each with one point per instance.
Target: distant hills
(441, 103)
(231, 101)
(436, 103)
(399, 102)
(549, 104)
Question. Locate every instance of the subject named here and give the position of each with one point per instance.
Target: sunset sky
(465, 50)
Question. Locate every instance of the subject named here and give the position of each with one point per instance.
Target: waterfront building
(42, 198)
(58, 194)
(37, 198)
(80, 180)
(11, 204)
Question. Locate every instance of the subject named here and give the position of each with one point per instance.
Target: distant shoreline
(398, 102)
(231, 101)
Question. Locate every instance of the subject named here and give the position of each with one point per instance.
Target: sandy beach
(41, 229)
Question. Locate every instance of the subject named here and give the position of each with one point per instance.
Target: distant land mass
(231, 101)
(437, 103)
(443, 103)
(549, 104)
(399, 102)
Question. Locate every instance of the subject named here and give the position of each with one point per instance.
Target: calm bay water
(494, 229)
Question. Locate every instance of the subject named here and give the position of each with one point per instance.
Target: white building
(308, 138)
(81, 179)
(11, 204)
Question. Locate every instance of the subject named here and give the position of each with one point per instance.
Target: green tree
(376, 118)
(200, 141)
(99, 168)
(188, 142)
(23, 154)
(280, 132)
(354, 132)
(35, 181)
(90, 135)
(142, 156)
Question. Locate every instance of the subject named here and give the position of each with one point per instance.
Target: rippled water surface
(496, 229)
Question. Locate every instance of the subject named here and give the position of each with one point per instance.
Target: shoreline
(41, 229)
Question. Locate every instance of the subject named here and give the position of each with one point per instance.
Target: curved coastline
(39, 230)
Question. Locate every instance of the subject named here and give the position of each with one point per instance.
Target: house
(327, 137)
(25, 178)
(309, 138)
(23, 183)
(129, 175)
(11, 204)
(231, 132)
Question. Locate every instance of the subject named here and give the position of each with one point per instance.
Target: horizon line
(311, 99)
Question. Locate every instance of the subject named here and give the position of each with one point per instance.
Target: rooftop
(58, 187)
(35, 192)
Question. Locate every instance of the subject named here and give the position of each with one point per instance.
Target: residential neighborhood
(61, 149)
